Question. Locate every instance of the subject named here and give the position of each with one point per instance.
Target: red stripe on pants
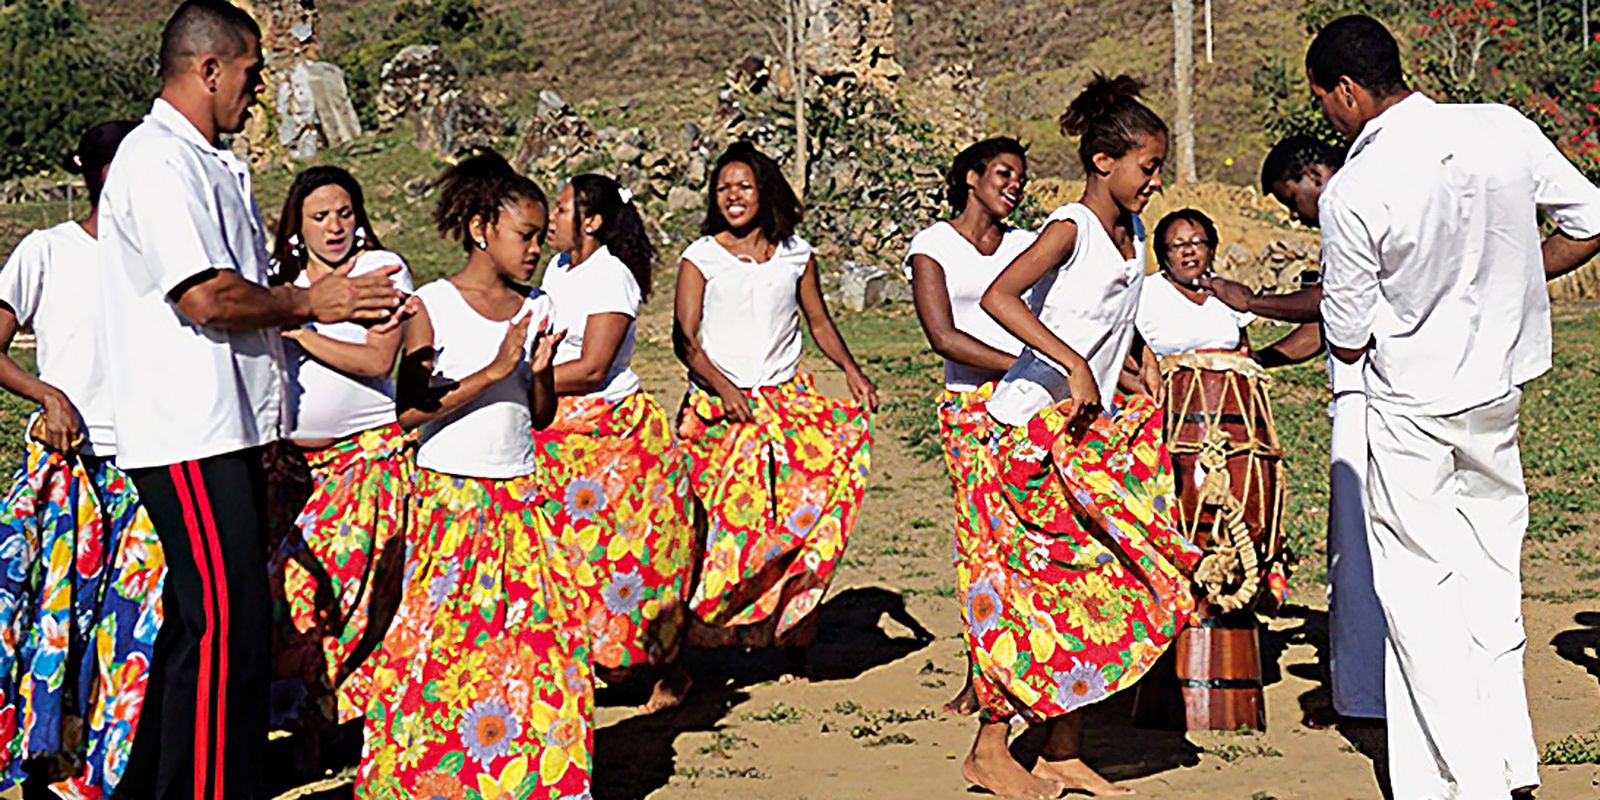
(214, 543)
(201, 554)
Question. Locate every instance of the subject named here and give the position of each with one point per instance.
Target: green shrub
(58, 77)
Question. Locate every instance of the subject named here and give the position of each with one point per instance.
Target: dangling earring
(361, 238)
(295, 249)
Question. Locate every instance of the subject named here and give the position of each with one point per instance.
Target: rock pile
(1277, 268)
(421, 84)
(314, 109)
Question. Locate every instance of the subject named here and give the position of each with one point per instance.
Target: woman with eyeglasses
(1176, 315)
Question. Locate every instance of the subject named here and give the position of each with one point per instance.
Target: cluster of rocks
(421, 84)
(314, 109)
(1279, 266)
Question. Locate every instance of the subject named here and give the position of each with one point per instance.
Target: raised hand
(371, 297)
(544, 349)
(512, 349)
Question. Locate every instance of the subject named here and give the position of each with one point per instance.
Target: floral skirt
(780, 497)
(623, 493)
(80, 607)
(335, 575)
(482, 686)
(1076, 579)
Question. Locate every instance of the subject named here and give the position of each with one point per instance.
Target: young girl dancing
(484, 682)
(1081, 582)
(950, 265)
(779, 469)
(609, 457)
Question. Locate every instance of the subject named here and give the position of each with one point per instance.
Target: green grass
(1581, 748)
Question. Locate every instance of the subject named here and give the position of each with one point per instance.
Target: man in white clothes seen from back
(1434, 268)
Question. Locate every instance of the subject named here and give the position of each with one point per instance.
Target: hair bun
(1101, 98)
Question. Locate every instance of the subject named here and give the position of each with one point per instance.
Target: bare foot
(964, 704)
(1006, 778)
(798, 666)
(1076, 776)
(670, 691)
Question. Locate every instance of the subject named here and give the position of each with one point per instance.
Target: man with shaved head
(196, 375)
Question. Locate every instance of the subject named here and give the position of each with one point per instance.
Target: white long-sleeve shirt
(1431, 251)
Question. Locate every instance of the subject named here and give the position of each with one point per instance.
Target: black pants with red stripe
(203, 733)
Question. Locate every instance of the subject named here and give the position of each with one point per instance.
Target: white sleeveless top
(750, 318)
(602, 284)
(324, 402)
(967, 275)
(1089, 301)
(1171, 323)
(492, 435)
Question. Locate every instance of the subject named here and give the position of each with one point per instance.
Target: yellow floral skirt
(482, 687)
(780, 496)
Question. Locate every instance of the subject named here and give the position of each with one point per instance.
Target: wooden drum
(1228, 467)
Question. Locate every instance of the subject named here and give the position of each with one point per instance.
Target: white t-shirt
(602, 284)
(1431, 251)
(52, 282)
(967, 275)
(492, 435)
(1171, 323)
(750, 318)
(175, 207)
(1089, 301)
(326, 403)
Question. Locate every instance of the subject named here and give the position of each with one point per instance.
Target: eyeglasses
(1198, 244)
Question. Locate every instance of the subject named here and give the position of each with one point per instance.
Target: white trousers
(1356, 628)
(1448, 510)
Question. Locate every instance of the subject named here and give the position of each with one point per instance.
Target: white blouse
(750, 318)
(492, 435)
(1089, 301)
(967, 275)
(602, 284)
(324, 402)
(1171, 323)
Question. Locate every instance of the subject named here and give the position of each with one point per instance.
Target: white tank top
(492, 435)
(750, 317)
(1089, 301)
(325, 403)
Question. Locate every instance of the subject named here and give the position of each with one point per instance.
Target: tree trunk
(802, 138)
(1183, 88)
(1208, 32)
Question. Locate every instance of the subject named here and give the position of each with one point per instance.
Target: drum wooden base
(1209, 680)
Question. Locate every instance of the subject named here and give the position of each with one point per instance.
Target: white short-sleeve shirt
(750, 318)
(967, 275)
(52, 283)
(327, 403)
(1431, 251)
(1171, 323)
(1089, 301)
(490, 436)
(602, 284)
(175, 207)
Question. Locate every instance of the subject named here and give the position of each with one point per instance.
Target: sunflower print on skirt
(1074, 578)
(780, 496)
(482, 688)
(335, 575)
(618, 489)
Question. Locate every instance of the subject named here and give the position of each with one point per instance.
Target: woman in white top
(484, 676)
(951, 264)
(83, 568)
(1175, 314)
(335, 571)
(1087, 584)
(779, 469)
(609, 457)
